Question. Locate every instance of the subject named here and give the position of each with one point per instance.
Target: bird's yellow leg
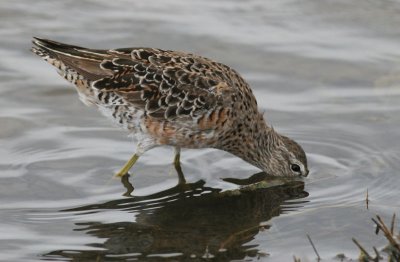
(128, 165)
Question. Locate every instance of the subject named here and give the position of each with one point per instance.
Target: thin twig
(376, 230)
(367, 199)
(361, 248)
(313, 246)
(377, 255)
(392, 225)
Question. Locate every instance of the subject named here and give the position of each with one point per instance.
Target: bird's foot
(127, 184)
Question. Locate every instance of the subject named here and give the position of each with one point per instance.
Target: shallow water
(326, 72)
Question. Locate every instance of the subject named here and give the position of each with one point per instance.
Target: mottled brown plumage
(173, 98)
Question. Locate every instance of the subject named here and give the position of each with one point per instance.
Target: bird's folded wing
(164, 84)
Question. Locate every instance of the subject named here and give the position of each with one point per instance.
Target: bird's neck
(265, 141)
(256, 143)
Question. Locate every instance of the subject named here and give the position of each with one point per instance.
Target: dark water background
(326, 72)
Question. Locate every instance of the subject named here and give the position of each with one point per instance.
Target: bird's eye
(295, 167)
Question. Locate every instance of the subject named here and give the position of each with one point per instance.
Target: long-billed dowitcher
(174, 98)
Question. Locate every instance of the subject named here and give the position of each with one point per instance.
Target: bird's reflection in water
(188, 222)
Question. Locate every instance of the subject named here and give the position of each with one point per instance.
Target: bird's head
(282, 156)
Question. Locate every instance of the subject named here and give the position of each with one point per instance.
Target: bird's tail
(71, 60)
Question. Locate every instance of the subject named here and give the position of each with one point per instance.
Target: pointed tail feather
(69, 50)
(85, 62)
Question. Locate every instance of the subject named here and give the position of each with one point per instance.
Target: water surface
(327, 73)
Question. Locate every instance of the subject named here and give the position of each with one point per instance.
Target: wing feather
(164, 84)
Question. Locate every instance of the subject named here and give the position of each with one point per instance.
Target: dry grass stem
(313, 246)
(392, 224)
(362, 249)
(389, 236)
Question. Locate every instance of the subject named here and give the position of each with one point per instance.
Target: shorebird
(174, 98)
